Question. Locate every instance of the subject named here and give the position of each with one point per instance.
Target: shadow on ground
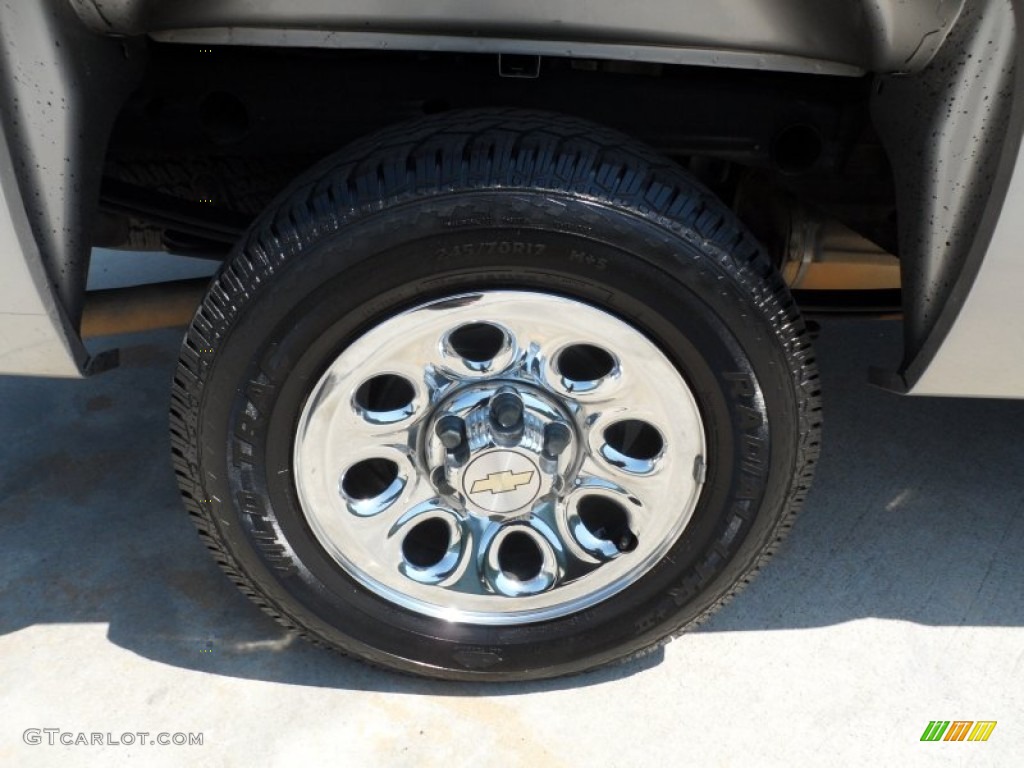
(917, 515)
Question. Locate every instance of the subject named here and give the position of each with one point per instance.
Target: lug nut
(556, 438)
(451, 430)
(507, 410)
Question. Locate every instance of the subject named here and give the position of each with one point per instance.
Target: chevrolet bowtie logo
(502, 482)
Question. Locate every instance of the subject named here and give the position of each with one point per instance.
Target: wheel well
(215, 133)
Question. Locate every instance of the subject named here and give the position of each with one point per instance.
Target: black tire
(407, 215)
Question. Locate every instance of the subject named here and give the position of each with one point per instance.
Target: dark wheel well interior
(214, 133)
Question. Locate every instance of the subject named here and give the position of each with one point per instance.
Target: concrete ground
(897, 601)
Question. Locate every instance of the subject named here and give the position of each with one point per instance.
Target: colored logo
(502, 482)
(958, 730)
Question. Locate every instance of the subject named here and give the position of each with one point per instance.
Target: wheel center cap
(501, 481)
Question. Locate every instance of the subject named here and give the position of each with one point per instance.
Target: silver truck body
(948, 105)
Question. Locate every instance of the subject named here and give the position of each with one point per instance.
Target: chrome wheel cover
(499, 458)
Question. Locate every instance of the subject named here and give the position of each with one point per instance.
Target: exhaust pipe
(825, 255)
(141, 308)
(813, 251)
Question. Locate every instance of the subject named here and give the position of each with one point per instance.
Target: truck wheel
(496, 395)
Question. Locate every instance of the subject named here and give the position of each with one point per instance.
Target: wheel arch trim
(851, 36)
(960, 190)
(60, 87)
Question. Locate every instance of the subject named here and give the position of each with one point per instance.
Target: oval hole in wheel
(519, 557)
(584, 363)
(369, 478)
(385, 398)
(427, 543)
(607, 520)
(477, 342)
(634, 439)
